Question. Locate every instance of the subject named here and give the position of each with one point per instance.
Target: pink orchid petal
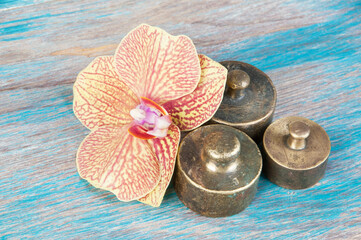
(111, 159)
(100, 97)
(140, 132)
(166, 151)
(157, 65)
(198, 107)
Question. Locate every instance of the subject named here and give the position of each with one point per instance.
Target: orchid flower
(136, 103)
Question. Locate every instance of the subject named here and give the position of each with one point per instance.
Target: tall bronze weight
(249, 100)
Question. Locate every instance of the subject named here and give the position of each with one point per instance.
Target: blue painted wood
(310, 49)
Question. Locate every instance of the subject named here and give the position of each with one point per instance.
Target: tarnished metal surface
(217, 172)
(296, 152)
(249, 100)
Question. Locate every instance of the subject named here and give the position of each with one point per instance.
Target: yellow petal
(157, 65)
(112, 159)
(198, 107)
(100, 97)
(166, 151)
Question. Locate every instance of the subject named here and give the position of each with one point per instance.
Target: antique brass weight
(296, 152)
(249, 100)
(217, 170)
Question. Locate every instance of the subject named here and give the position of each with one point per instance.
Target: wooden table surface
(310, 49)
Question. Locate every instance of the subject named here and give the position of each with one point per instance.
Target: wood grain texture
(310, 49)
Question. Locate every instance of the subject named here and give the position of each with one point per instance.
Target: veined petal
(157, 65)
(198, 107)
(100, 97)
(166, 151)
(112, 159)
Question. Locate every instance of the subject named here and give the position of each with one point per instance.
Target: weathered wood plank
(311, 50)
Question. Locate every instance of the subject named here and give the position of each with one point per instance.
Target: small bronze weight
(296, 150)
(249, 100)
(217, 171)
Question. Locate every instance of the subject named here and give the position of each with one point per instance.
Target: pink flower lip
(150, 120)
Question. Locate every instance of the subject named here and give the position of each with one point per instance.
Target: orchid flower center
(151, 119)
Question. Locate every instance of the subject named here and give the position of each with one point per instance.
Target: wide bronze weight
(217, 171)
(249, 100)
(296, 150)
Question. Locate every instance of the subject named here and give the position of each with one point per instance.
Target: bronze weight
(217, 171)
(296, 150)
(249, 100)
